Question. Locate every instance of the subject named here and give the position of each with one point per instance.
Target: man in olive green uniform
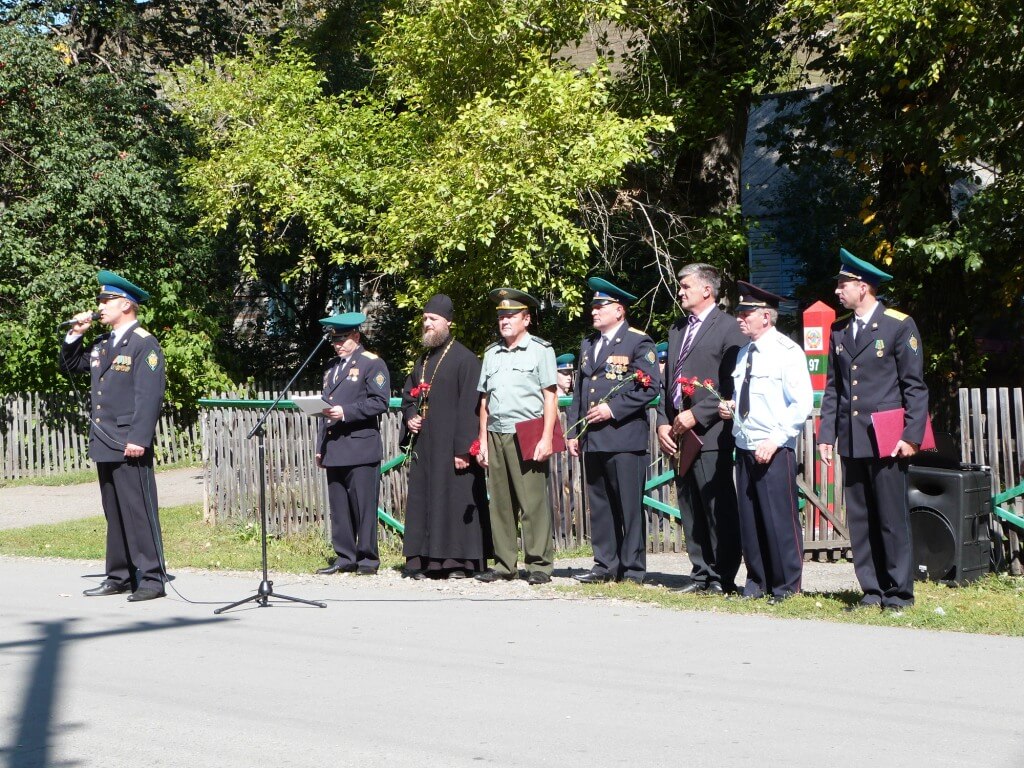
(517, 381)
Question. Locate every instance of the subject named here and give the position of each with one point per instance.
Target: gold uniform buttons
(856, 413)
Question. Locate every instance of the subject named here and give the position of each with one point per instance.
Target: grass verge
(189, 542)
(993, 605)
(80, 476)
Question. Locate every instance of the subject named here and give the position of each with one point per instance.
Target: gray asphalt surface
(25, 505)
(395, 676)
(394, 673)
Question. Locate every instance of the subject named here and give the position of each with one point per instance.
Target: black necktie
(858, 333)
(744, 409)
(338, 369)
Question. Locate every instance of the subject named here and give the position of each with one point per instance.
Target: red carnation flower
(474, 448)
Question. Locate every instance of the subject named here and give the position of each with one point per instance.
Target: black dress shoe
(458, 573)
(144, 593)
(366, 570)
(490, 576)
(107, 588)
(337, 567)
(594, 577)
(538, 577)
(713, 588)
(692, 588)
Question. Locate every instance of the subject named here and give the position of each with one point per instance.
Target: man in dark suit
(875, 363)
(608, 422)
(128, 380)
(704, 344)
(357, 386)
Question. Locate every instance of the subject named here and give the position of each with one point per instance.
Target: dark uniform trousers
(353, 493)
(133, 540)
(618, 533)
(880, 531)
(769, 523)
(710, 520)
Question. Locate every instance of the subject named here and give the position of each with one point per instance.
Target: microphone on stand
(69, 323)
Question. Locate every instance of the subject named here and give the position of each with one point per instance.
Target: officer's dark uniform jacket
(128, 382)
(363, 390)
(628, 429)
(878, 373)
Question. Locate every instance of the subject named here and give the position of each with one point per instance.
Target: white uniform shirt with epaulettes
(362, 387)
(514, 379)
(781, 395)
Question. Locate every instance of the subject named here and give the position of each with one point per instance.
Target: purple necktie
(692, 324)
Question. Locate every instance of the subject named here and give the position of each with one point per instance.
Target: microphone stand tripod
(265, 591)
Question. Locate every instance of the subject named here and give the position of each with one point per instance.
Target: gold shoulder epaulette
(542, 342)
(897, 314)
(636, 330)
(369, 355)
(142, 333)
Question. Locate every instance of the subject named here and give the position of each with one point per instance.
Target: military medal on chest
(879, 347)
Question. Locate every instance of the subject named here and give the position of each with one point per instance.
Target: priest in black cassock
(446, 512)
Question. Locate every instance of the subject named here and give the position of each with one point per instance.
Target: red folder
(889, 431)
(687, 448)
(529, 432)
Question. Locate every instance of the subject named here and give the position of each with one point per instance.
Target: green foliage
(924, 93)
(412, 182)
(87, 181)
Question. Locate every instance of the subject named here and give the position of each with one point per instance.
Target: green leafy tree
(87, 181)
(455, 188)
(923, 109)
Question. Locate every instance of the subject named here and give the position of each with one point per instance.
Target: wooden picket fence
(44, 435)
(297, 492)
(991, 434)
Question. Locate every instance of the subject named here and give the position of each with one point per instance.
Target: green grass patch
(188, 542)
(993, 605)
(78, 477)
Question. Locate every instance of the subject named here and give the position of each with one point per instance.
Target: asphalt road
(389, 675)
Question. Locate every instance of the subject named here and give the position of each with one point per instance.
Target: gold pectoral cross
(423, 410)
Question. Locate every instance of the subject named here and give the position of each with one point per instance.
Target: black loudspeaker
(950, 514)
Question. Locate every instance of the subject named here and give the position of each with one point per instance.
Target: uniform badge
(650, 357)
(353, 374)
(379, 380)
(152, 360)
(879, 347)
(912, 343)
(839, 347)
(122, 363)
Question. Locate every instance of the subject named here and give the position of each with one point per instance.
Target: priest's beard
(434, 339)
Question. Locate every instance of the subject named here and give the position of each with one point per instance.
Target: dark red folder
(528, 434)
(889, 431)
(687, 448)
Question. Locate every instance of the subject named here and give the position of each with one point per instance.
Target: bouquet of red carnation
(474, 448)
(420, 392)
(638, 377)
(690, 385)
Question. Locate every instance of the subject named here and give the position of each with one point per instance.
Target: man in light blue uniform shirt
(774, 399)
(517, 383)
